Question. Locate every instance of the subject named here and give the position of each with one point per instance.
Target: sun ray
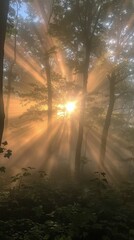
(22, 62)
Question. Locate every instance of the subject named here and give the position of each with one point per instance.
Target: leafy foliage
(6, 152)
(38, 209)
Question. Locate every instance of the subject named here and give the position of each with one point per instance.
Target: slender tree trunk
(107, 122)
(9, 87)
(4, 5)
(10, 72)
(49, 89)
(79, 139)
(81, 119)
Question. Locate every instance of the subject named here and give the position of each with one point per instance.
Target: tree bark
(81, 118)
(4, 5)
(107, 122)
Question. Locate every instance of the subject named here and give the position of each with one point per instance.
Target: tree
(43, 45)
(118, 44)
(78, 25)
(12, 29)
(3, 22)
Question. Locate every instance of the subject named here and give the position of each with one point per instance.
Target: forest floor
(35, 207)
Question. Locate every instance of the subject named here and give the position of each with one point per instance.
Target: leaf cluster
(6, 152)
(41, 210)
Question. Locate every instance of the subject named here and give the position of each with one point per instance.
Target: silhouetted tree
(120, 59)
(78, 25)
(4, 5)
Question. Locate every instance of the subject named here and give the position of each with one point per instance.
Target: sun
(66, 109)
(70, 107)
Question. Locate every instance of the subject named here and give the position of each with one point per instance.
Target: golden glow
(66, 109)
(29, 66)
(70, 107)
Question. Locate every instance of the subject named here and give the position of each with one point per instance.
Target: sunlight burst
(70, 107)
(66, 109)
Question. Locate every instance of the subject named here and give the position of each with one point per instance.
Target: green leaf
(103, 174)
(1, 150)
(25, 174)
(8, 153)
(2, 169)
(5, 143)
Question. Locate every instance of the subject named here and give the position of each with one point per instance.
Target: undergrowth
(33, 208)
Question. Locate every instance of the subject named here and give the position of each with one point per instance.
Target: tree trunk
(3, 20)
(10, 72)
(107, 122)
(49, 89)
(9, 88)
(79, 140)
(81, 119)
